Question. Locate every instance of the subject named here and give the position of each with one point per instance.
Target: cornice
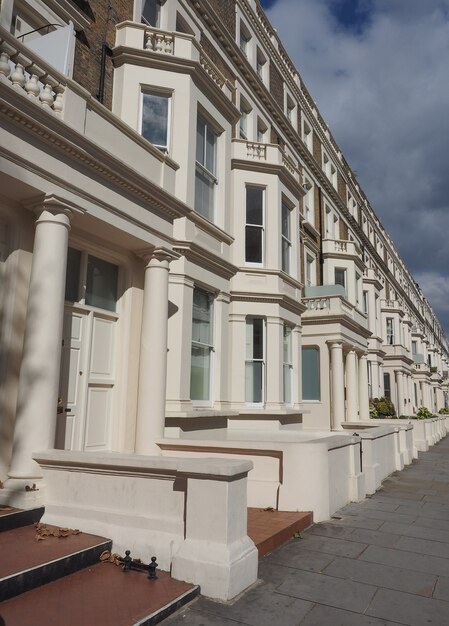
(286, 302)
(205, 259)
(347, 322)
(263, 167)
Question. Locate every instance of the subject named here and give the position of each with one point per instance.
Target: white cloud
(384, 92)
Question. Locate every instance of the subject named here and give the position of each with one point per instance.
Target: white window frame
(260, 226)
(244, 39)
(309, 264)
(286, 237)
(211, 347)
(344, 274)
(287, 365)
(390, 330)
(254, 360)
(307, 134)
(158, 4)
(309, 201)
(202, 169)
(153, 91)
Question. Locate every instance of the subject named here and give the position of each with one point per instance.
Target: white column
(39, 372)
(363, 388)
(297, 367)
(337, 386)
(237, 334)
(222, 351)
(153, 354)
(274, 397)
(400, 389)
(351, 386)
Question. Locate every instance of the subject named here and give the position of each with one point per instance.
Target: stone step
(27, 562)
(101, 595)
(269, 528)
(14, 518)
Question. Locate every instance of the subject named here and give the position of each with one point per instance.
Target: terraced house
(192, 279)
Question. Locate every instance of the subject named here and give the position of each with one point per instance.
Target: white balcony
(341, 248)
(265, 154)
(330, 301)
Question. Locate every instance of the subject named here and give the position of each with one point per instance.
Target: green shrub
(423, 413)
(444, 411)
(384, 407)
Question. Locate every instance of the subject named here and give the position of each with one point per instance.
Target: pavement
(381, 561)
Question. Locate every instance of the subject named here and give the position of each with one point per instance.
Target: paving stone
(382, 576)
(428, 522)
(374, 537)
(413, 530)
(358, 521)
(409, 609)
(330, 545)
(342, 594)
(331, 530)
(388, 516)
(407, 560)
(441, 591)
(424, 546)
(329, 616)
(259, 608)
(304, 560)
(192, 617)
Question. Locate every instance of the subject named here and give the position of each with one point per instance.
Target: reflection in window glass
(254, 364)
(101, 284)
(310, 373)
(155, 114)
(202, 346)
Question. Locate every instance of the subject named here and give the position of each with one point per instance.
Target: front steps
(60, 580)
(269, 528)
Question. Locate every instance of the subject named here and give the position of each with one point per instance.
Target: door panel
(101, 361)
(98, 418)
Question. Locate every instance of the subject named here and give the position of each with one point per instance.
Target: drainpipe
(105, 51)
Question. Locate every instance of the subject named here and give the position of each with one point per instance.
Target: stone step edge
(19, 518)
(26, 580)
(283, 535)
(171, 607)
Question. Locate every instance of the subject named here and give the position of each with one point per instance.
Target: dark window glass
(101, 284)
(72, 277)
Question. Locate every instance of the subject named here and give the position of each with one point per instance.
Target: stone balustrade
(271, 154)
(333, 304)
(341, 247)
(29, 75)
(159, 41)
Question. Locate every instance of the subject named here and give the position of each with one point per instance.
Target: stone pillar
(337, 385)
(351, 386)
(297, 367)
(363, 388)
(400, 390)
(274, 395)
(41, 357)
(153, 354)
(222, 351)
(237, 323)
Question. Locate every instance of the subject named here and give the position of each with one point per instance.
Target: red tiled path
(269, 528)
(101, 595)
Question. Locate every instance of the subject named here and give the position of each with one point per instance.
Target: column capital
(158, 254)
(54, 205)
(335, 343)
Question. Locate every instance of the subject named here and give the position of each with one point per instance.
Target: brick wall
(225, 10)
(341, 186)
(317, 208)
(317, 155)
(88, 48)
(216, 58)
(276, 85)
(344, 234)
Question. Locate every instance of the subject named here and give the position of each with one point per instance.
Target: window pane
(287, 384)
(310, 373)
(72, 277)
(254, 205)
(285, 255)
(210, 151)
(285, 221)
(204, 195)
(253, 381)
(253, 244)
(200, 373)
(101, 284)
(155, 119)
(200, 141)
(150, 11)
(201, 317)
(287, 344)
(340, 277)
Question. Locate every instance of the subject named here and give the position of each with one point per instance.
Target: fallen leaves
(107, 557)
(43, 531)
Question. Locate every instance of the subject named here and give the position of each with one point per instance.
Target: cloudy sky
(379, 72)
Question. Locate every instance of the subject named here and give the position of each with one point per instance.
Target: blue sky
(378, 70)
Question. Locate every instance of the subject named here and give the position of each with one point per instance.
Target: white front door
(87, 380)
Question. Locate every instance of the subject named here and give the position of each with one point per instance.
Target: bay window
(287, 364)
(286, 242)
